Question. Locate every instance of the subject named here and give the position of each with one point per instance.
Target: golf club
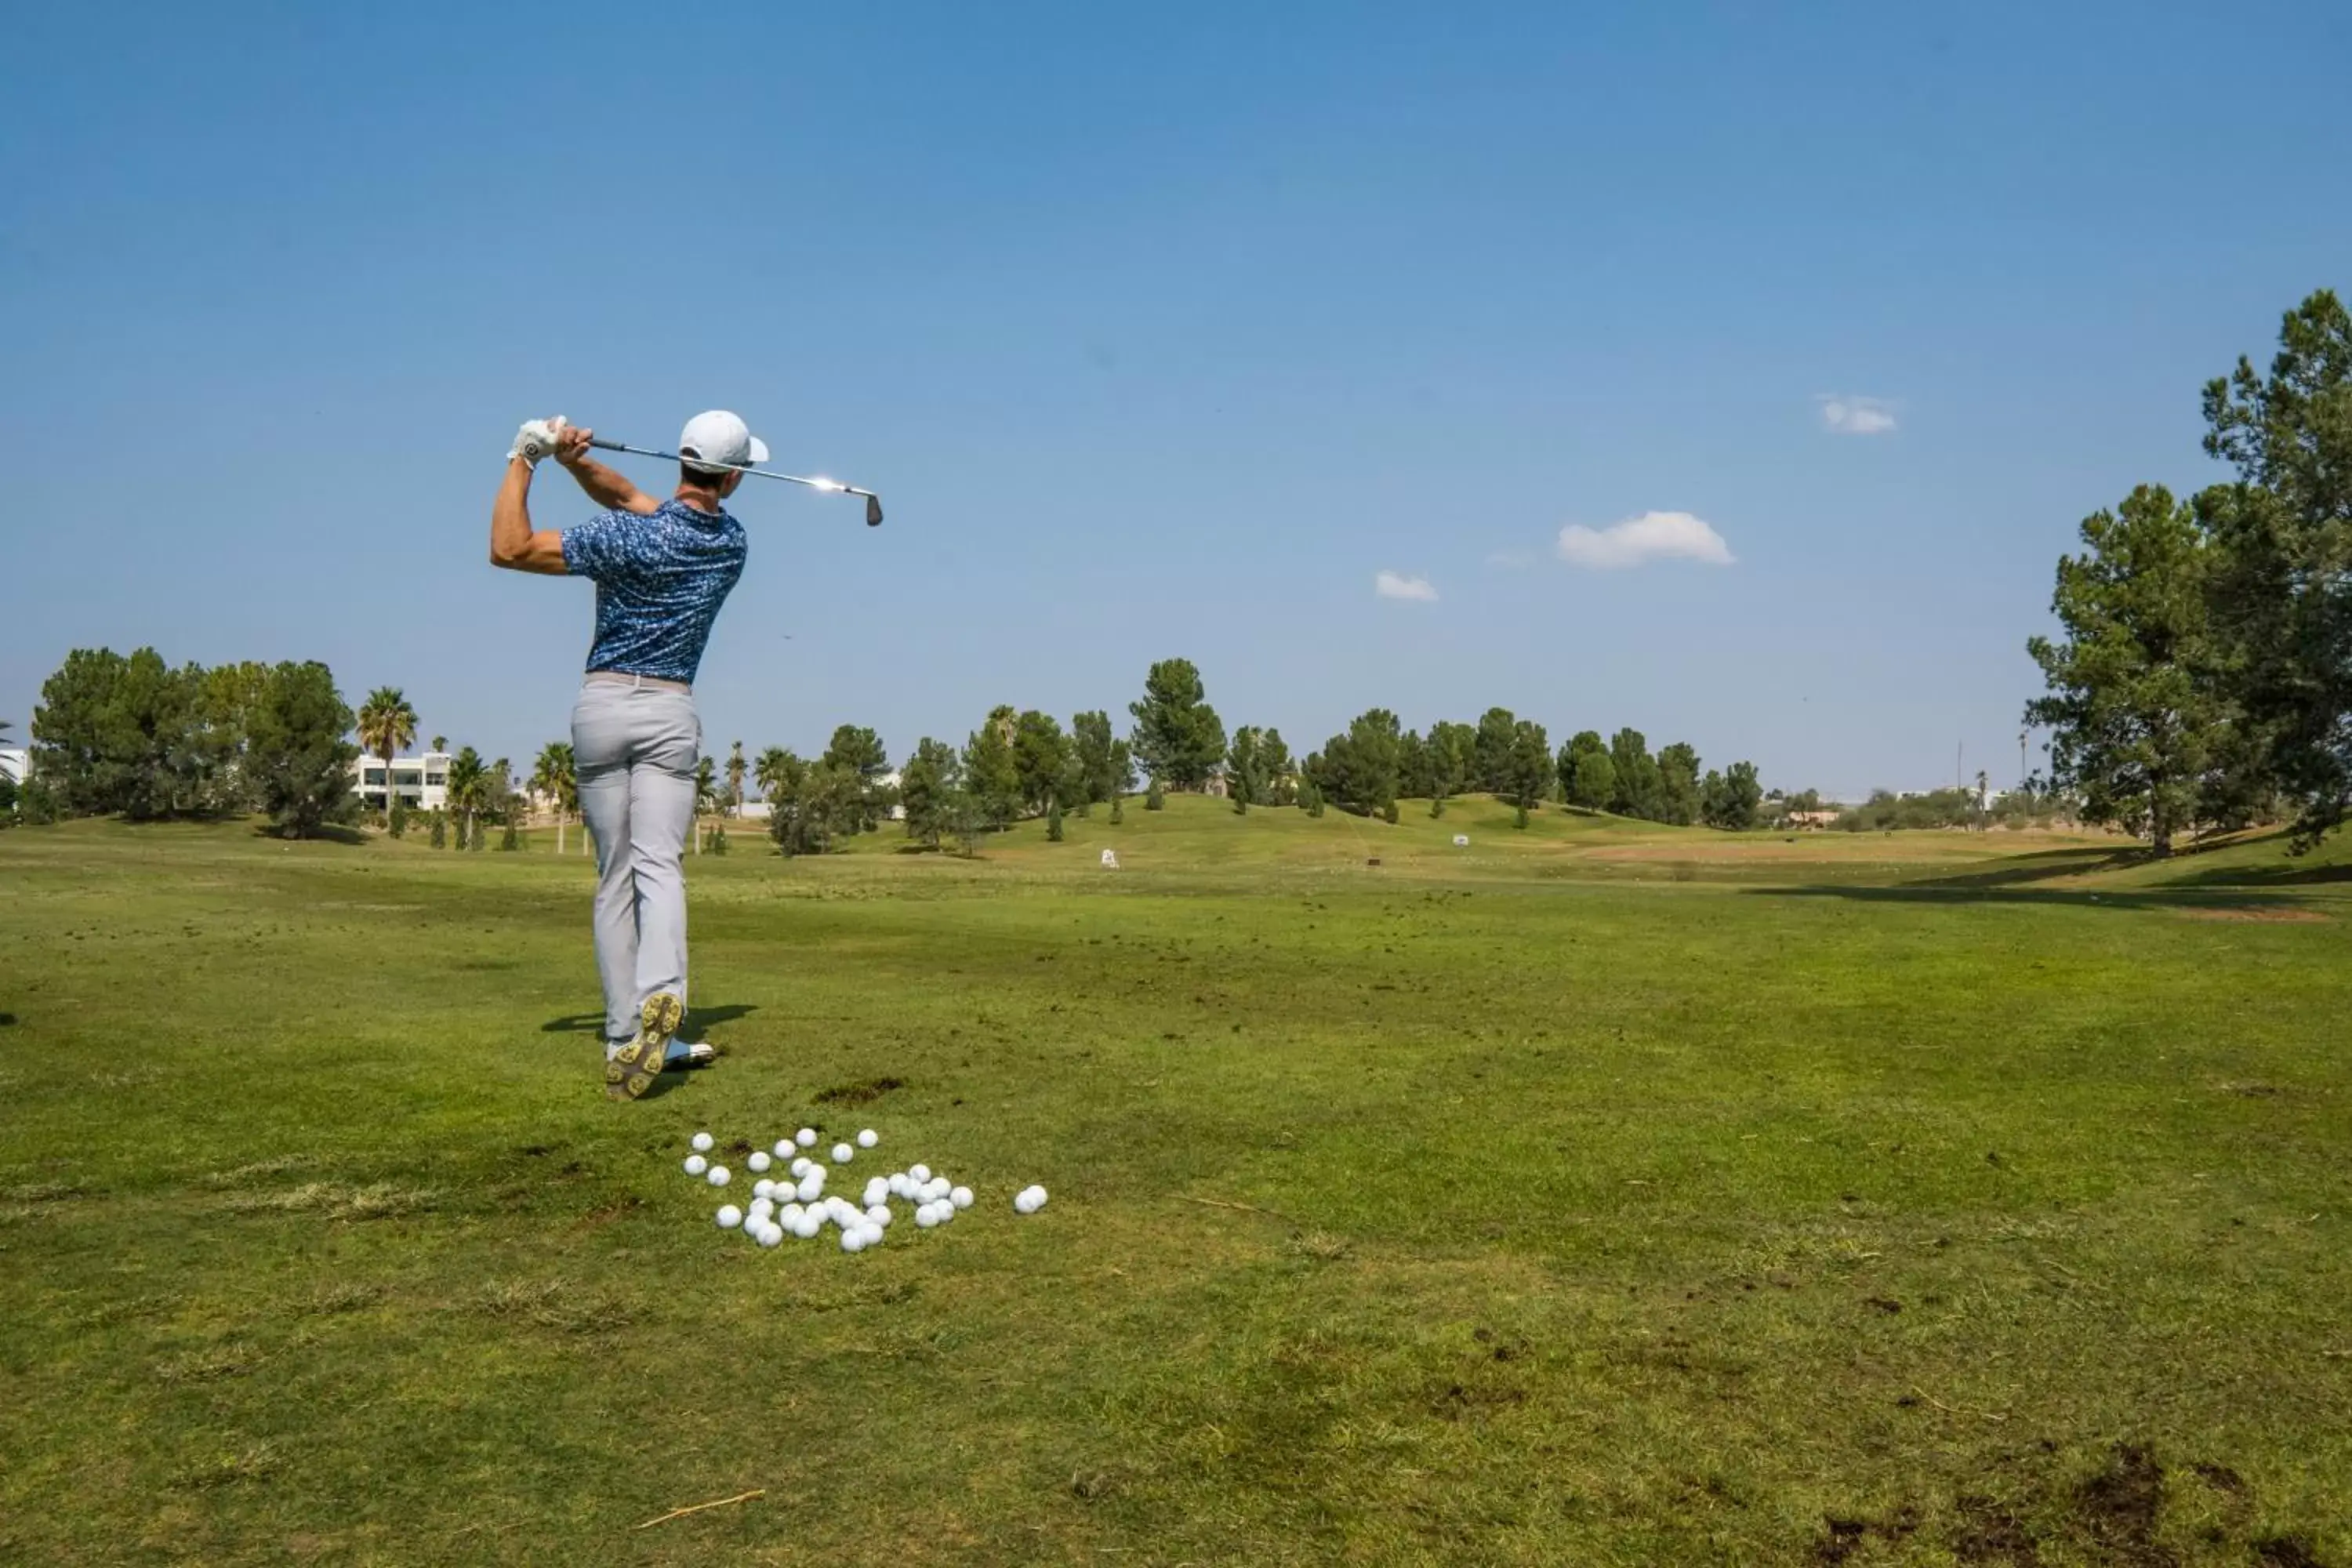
(873, 501)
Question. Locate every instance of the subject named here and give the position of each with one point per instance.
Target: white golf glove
(536, 439)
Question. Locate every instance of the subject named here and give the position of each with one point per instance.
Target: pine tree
(1054, 823)
(2134, 707)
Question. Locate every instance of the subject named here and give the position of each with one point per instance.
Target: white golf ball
(809, 1189)
(784, 1147)
(945, 1209)
(789, 1212)
(872, 1232)
(806, 1226)
(702, 1143)
(719, 1176)
(920, 1173)
(730, 1217)
(842, 1153)
(867, 1139)
(877, 1191)
(926, 1216)
(762, 1187)
(806, 1137)
(899, 1184)
(879, 1214)
(853, 1240)
(770, 1234)
(939, 1187)
(961, 1197)
(800, 1165)
(696, 1164)
(759, 1160)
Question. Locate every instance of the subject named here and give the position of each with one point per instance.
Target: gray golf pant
(634, 751)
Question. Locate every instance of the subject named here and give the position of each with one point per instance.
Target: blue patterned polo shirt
(660, 580)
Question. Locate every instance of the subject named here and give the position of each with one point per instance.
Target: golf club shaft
(873, 501)
(738, 467)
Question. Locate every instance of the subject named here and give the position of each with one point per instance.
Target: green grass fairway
(1599, 1193)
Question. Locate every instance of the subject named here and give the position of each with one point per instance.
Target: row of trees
(131, 735)
(1367, 767)
(2204, 677)
(135, 736)
(1022, 764)
(1015, 764)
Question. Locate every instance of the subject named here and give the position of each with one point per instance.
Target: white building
(16, 761)
(423, 782)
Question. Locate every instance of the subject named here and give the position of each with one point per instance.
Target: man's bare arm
(604, 487)
(514, 543)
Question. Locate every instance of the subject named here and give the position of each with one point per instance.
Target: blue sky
(1163, 330)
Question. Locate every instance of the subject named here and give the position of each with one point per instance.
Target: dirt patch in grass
(2119, 1506)
(2255, 917)
(380, 1201)
(866, 1093)
(1848, 1536)
(552, 1304)
(1989, 1534)
(254, 1464)
(2113, 1516)
(208, 1366)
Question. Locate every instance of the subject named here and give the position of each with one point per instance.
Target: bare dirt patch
(2256, 917)
(866, 1093)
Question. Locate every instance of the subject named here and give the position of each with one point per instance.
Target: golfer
(661, 569)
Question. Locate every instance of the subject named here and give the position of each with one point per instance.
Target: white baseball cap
(720, 437)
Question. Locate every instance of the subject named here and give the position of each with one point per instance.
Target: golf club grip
(873, 511)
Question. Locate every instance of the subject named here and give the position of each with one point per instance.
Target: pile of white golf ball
(800, 1207)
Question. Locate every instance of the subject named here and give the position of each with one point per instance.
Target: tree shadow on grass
(331, 833)
(2175, 899)
(2295, 875)
(8, 1020)
(2040, 867)
(698, 1019)
(2187, 873)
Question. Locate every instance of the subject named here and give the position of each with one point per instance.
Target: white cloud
(1653, 536)
(1855, 416)
(1391, 585)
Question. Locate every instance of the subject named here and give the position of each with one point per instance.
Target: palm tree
(705, 797)
(736, 768)
(386, 724)
(468, 784)
(441, 743)
(554, 778)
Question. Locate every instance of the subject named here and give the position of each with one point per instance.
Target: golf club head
(873, 511)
